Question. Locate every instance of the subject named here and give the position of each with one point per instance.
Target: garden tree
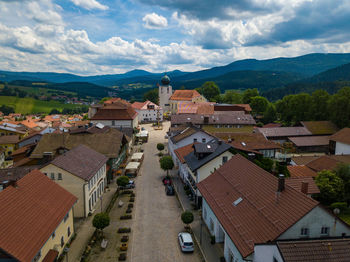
(259, 104)
(264, 163)
(102, 100)
(151, 95)
(210, 90)
(232, 97)
(100, 221)
(248, 94)
(319, 101)
(331, 187)
(166, 163)
(339, 107)
(343, 171)
(187, 217)
(160, 147)
(7, 110)
(85, 117)
(54, 111)
(270, 114)
(122, 181)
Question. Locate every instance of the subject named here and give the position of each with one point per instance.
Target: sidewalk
(212, 253)
(84, 228)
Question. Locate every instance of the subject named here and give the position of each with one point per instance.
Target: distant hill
(331, 80)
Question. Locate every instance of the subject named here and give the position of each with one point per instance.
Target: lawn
(30, 105)
(345, 216)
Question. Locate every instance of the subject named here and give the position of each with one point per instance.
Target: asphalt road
(157, 219)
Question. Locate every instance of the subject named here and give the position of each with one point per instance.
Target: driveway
(157, 219)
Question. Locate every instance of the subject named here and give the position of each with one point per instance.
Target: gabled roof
(296, 182)
(184, 151)
(144, 105)
(301, 171)
(284, 131)
(115, 109)
(81, 161)
(31, 212)
(108, 143)
(186, 132)
(184, 95)
(342, 136)
(301, 141)
(328, 162)
(303, 160)
(320, 127)
(320, 250)
(254, 141)
(258, 217)
(215, 149)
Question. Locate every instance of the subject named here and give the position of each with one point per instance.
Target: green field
(30, 105)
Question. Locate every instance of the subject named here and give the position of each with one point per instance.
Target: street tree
(187, 217)
(331, 187)
(100, 221)
(122, 181)
(160, 147)
(166, 163)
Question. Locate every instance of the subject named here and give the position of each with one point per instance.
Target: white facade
(118, 123)
(267, 253)
(95, 188)
(314, 221)
(151, 115)
(164, 93)
(342, 149)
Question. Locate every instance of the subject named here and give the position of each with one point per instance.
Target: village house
(82, 172)
(339, 143)
(116, 113)
(148, 111)
(37, 219)
(2, 157)
(180, 96)
(9, 143)
(244, 205)
(310, 144)
(329, 162)
(281, 134)
(8, 129)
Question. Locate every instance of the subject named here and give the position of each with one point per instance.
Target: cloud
(154, 21)
(90, 4)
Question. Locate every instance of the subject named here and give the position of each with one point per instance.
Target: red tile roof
(255, 141)
(138, 105)
(184, 95)
(259, 217)
(184, 151)
(342, 136)
(9, 139)
(50, 256)
(296, 183)
(321, 250)
(328, 162)
(81, 161)
(31, 213)
(303, 160)
(301, 171)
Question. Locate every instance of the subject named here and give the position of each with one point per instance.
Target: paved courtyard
(157, 217)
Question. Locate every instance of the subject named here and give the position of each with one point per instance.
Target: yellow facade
(9, 148)
(4, 132)
(64, 230)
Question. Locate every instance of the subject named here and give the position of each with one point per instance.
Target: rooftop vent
(243, 144)
(208, 146)
(280, 183)
(239, 200)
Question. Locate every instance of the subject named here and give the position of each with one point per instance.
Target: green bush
(341, 205)
(187, 217)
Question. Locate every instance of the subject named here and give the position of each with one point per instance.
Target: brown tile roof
(245, 106)
(342, 136)
(328, 162)
(321, 250)
(303, 160)
(184, 95)
(108, 143)
(297, 181)
(320, 127)
(272, 125)
(9, 139)
(15, 173)
(50, 256)
(23, 162)
(81, 161)
(301, 171)
(310, 141)
(284, 131)
(138, 105)
(255, 141)
(184, 151)
(34, 209)
(258, 218)
(115, 114)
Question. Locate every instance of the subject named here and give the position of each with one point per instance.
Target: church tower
(164, 93)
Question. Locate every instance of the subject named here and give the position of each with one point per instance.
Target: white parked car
(186, 242)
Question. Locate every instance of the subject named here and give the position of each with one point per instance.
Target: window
(224, 159)
(204, 140)
(66, 217)
(325, 231)
(45, 174)
(62, 241)
(53, 176)
(53, 235)
(59, 176)
(204, 213)
(113, 123)
(304, 232)
(68, 231)
(194, 140)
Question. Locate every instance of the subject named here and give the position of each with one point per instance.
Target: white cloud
(154, 21)
(90, 4)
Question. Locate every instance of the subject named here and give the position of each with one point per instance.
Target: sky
(91, 37)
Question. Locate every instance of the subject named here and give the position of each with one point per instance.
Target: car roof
(186, 237)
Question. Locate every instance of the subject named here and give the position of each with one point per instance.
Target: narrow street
(157, 219)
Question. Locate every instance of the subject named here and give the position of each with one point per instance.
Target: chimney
(304, 187)
(280, 183)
